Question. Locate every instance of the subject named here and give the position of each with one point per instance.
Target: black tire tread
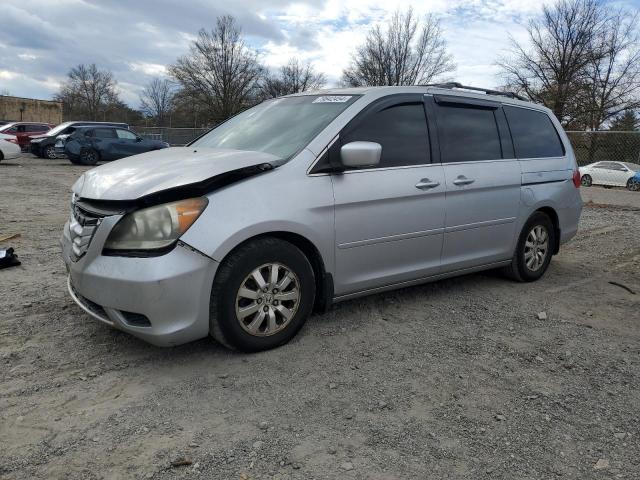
(223, 276)
(513, 271)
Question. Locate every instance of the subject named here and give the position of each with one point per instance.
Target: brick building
(18, 109)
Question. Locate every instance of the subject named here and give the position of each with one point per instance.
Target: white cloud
(137, 40)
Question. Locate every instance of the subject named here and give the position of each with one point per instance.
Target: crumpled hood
(141, 175)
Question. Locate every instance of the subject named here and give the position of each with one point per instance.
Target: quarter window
(467, 134)
(126, 134)
(534, 135)
(401, 130)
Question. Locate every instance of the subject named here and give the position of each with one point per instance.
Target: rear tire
(534, 249)
(276, 317)
(88, 156)
(586, 181)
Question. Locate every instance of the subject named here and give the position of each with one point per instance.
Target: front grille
(82, 226)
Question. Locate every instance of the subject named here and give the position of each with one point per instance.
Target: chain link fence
(173, 136)
(591, 147)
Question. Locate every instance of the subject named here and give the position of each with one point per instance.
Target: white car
(613, 174)
(9, 147)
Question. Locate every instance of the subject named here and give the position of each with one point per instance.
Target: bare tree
(408, 52)
(88, 91)
(156, 99)
(220, 70)
(613, 74)
(293, 77)
(553, 71)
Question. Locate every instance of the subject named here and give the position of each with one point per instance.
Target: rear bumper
(162, 300)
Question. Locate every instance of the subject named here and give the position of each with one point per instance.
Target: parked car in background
(4, 122)
(25, 131)
(89, 145)
(315, 198)
(44, 145)
(611, 174)
(9, 147)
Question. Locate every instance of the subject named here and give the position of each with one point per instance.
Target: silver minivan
(314, 198)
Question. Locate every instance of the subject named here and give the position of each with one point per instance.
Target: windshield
(281, 127)
(55, 130)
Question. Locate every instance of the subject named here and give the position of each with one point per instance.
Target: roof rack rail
(452, 85)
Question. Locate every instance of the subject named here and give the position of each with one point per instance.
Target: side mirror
(361, 154)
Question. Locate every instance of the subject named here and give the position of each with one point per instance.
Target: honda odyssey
(314, 198)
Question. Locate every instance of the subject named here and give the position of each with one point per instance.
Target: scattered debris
(9, 237)
(8, 258)
(542, 315)
(601, 464)
(181, 462)
(500, 417)
(624, 287)
(347, 466)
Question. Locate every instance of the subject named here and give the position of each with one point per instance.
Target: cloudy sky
(41, 39)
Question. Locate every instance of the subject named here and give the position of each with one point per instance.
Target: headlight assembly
(155, 228)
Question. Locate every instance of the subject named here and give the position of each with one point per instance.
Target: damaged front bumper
(163, 300)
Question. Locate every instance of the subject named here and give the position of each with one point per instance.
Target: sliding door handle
(462, 180)
(426, 184)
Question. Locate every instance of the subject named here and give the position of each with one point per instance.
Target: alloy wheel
(586, 181)
(267, 299)
(536, 248)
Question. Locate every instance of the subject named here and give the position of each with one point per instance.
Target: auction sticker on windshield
(332, 99)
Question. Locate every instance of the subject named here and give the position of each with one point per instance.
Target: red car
(24, 131)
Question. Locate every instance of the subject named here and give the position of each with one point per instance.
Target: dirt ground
(455, 379)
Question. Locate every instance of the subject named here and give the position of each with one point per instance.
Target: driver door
(389, 220)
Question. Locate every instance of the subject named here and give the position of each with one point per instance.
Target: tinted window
(104, 133)
(467, 134)
(126, 134)
(534, 136)
(36, 128)
(400, 129)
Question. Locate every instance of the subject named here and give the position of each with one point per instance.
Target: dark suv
(44, 145)
(88, 145)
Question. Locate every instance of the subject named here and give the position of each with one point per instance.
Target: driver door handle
(426, 184)
(462, 180)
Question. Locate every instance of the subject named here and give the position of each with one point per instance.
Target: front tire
(586, 181)
(50, 152)
(633, 185)
(534, 250)
(262, 295)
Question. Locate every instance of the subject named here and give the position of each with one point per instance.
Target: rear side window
(104, 133)
(467, 134)
(534, 136)
(400, 129)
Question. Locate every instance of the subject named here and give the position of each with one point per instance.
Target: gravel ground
(455, 379)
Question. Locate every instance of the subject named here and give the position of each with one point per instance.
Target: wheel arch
(555, 220)
(324, 279)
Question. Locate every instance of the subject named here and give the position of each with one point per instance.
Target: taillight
(576, 178)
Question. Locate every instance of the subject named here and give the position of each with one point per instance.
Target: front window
(281, 127)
